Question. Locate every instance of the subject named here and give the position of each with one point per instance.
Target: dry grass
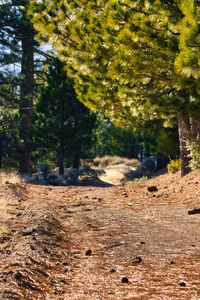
(9, 177)
(117, 169)
(5, 196)
(115, 175)
(111, 161)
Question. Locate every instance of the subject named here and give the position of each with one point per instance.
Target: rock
(125, 194)
(152, 188)
(124, 280)
(137, 260)
(182, 283)
(142, 243)
(194, 211)
(112, 270)
(88, 252)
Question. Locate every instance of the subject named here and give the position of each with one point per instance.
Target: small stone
(142, 243)
(88, 252)
(182, 283)
(124, 280)
(194, 211)
(152, 188)
(112, 270)
(137, 260)
(125, 194)
(172, 262)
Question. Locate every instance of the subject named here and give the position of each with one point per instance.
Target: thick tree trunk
(184, 135)
(195, 129)
(26, 105)
(1, 154)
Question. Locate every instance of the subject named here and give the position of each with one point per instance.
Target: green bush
(174, 165)
(194, 149)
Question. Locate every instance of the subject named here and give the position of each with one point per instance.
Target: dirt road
(112, 243)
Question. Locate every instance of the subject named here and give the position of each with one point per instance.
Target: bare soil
(134, 241)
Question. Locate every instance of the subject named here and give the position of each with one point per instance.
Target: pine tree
(61, 123)
(124, 57)
(18, 65)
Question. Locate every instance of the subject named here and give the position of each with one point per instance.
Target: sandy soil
(135, 241)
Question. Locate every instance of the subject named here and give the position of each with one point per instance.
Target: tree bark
(62, 142)
(195, 129)
(76, 160)
(26, 98)
(61, 160)
(162, 161)
(184, 135)
(1, 153)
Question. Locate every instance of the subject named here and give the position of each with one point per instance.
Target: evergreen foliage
(136, 61)
(61, 124)
(112, 140)
(194, 148)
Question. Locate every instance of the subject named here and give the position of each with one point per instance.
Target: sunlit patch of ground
(111, 243)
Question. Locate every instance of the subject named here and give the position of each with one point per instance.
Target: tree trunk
(26, 101)
(162, 161)
(195, 129)
(61, 160)
(61, 133)
(1, 153)
(76, 160)
(184, 135)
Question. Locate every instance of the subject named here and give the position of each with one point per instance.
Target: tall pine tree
(123, 57)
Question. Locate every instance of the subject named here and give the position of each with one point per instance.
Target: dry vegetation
(117, 169)
(134, 241)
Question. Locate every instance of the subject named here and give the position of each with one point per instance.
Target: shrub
(174, 165)
(194, 149)
(148, 165)
(44, 168)
(140, 179)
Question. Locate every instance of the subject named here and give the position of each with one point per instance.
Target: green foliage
(174, 166)
(112, 140)
(194, 149)
(167, 142)
(140, 180)
(101, 52)
(135, 61)
(60, 121)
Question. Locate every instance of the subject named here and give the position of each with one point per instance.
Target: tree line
(117, 64)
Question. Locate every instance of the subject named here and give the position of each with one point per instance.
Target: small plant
(174, 165)
(140, 179)
(194, 154)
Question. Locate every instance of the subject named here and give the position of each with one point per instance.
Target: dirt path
(96, 243)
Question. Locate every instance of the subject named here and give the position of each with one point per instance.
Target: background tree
(62, 124)
(17, 41)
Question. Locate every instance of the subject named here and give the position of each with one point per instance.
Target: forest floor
(134, 241)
